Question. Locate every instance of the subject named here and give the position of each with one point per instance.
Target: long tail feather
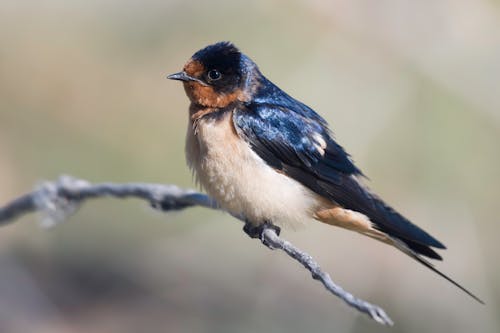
(400, 245)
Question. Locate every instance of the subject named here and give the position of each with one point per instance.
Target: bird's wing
(302, 148)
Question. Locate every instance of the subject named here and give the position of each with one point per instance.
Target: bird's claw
(257, 231)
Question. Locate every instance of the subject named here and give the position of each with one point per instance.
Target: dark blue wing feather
(284, 134)
(293, 138)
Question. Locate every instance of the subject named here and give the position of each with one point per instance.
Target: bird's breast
(239, 180)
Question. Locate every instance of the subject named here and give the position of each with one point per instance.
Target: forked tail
(400, 245)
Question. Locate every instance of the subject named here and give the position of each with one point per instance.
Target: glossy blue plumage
(284, 132)
(291, 137)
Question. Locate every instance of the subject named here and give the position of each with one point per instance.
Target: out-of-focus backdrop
(410, 88)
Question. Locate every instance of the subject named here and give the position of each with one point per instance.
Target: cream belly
(240, 181)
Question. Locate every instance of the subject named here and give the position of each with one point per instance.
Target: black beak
(182, 76)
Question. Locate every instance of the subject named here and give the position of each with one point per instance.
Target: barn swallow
(266, 156)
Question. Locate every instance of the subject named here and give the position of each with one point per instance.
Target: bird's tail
(400, 245)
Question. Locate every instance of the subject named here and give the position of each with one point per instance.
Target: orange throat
(208, 97)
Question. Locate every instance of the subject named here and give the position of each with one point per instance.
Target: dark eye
(214, 75)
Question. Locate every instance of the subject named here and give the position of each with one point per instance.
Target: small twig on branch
(59, 200)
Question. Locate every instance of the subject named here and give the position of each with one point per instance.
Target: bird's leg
(257, 231)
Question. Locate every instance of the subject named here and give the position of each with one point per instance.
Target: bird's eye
(214, 75)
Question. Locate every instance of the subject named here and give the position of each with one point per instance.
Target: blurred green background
(410, 88)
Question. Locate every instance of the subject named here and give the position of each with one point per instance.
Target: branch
(57, 201)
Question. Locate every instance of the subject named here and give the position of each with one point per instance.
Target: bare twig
(59, 200)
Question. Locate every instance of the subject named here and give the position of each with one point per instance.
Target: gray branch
(56, 201)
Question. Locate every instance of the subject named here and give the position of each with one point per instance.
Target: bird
(264, 155)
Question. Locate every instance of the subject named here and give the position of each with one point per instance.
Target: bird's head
(218, 75)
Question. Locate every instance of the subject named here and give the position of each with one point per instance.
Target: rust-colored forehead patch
(194, 68)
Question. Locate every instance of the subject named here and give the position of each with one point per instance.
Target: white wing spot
(320, 143)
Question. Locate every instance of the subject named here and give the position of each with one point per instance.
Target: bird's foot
(257, 231)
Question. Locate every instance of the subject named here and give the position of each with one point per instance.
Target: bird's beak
(182, 76)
